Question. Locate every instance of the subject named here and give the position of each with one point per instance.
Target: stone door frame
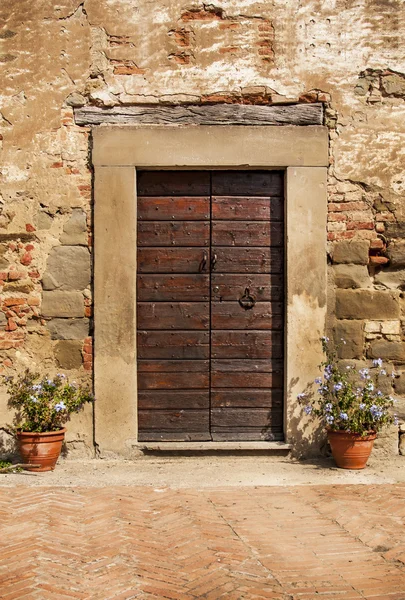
(117, 152)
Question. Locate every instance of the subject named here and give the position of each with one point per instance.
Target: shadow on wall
(306, 434)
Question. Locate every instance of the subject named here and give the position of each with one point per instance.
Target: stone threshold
(213, 446)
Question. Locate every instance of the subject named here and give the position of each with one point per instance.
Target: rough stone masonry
(55, 57)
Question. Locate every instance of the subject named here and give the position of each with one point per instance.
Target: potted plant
(351, 406)
(42, 406)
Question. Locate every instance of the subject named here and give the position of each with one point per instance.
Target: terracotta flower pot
(351, 450)
(40, 448)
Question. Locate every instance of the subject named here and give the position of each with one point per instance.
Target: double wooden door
(210, 305)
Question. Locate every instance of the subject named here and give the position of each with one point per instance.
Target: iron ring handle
(203, 263)
(213, 261)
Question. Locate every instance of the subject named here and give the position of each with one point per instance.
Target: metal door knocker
(247, 301)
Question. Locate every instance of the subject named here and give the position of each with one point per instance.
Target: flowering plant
(44, 404)
(349, 400)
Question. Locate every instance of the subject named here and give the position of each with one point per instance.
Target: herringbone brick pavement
(234, 543)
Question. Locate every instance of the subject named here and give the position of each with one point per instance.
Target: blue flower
(325, 339)
(369, 386)
(318, 380)
(362, 406)
(338, 386)
(343, 416)
(301, 397)
(61, 375)
(308, 409)
(60, 406)
(378, 362)
(328, 372)
(37, 387)
(364, 374)
(359, 392)
(379, 394)
(328, 407)
(376, 411)
(383, 372)
(329, 419)
(33, 399)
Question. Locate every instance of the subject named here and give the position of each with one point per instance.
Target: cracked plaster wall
(56, 56)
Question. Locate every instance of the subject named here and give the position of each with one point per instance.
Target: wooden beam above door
(218, 114)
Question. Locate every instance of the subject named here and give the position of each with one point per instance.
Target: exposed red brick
(309, 97)
(208, 13)
(379, 260)
(88, 311)
(7, 362)
(11, 325)
(229, 50)
(377, 244)
(359, 225)
(26, 259)
(29, 227)
(347, 206)
(181, 59)
(128, 70)
(337, 217)
(57, 165)
(14, 301)
(230, 25)
(34, 274)
(3, 276)
(29, 247)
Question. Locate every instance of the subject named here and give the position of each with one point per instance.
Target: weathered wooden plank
(178, 183)
(173, 287)
(173, 381)
(245, 417)
(247, 233)
(249, 183)
(264, 288)
(174, 436)
(247, 208)
(173, 209)
(247, 434)
(173, 315)
(173, 399)
(173, 366)
(246, 380)
(175, 260)
(231, 315)
(246, 344)
(177, 233)
(177, 419)
(173, 344)
(248, 398)
(245, 260)
(218, 114)
(257, 365)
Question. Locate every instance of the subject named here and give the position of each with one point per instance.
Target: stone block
(399, 383)
(396, 253)
(402, 444)
(367, 304)
(387, 350)
(68, 354)
(352, 333)
(393, 85)
(391, 327)
(387, 442)
(68, 268)
(351, 276)
(75, 230)
(391, 279)
(75, 99)
(24, 286)
(62, 304)
(3, 261)
(68, 329)
(43, 220)
(351, 252)
(372, 327)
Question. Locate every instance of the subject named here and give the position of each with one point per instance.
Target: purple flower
(33, 399)
(343, 416)
(301, 397)
(338, 386)
(308, 409)
(362, 406)
(60, 406)
(378, 362)
(37, 387)
(328, 407)
(318, 380)
(329, 419)
(376, 411)
(383, 372)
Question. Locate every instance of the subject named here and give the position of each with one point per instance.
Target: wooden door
(210, 305)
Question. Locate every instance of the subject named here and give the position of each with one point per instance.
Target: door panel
(210, 305)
